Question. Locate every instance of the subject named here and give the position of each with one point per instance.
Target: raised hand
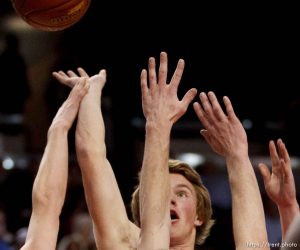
(71, 78)
(223, 132)
(160, 101)
(280, 184)
(227, 137)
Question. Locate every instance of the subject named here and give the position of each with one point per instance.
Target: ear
(198, 222)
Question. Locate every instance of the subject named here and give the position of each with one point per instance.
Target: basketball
(51, 15)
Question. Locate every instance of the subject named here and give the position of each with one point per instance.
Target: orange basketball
(51, 15)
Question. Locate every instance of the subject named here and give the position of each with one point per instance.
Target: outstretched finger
(62, 78)
(229, 108)
(283, 151)
(201, 114)
(82, 72)
(176, 78)
(152, 73)
(285, 161)
(207, 108)
(274, 156)
(216, 107)
(163, 68)
(71, 73)
(144, 85)
(61, 73)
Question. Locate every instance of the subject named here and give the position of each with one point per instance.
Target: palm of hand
(281, 189)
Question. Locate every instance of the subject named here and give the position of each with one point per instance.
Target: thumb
(265, 172)
(205, 134)
(189, 96)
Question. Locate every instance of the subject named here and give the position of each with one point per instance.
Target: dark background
(249, 52)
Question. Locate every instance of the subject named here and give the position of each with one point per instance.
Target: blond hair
(204, 207)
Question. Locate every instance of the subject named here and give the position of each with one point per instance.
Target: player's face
(184, 217)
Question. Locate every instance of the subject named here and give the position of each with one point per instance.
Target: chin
(173, 233)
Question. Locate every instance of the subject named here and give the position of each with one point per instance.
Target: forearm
(90, 131)
(102, 194)
(97, 174)
(50, 184)
(48, 194)
(287, 215)
(247, 209)
(292, 239)
(154, 182)
(91, 150)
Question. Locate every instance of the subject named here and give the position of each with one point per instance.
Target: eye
(181, 194)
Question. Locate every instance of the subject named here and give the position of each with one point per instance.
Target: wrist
(165, 126)
(292, 206)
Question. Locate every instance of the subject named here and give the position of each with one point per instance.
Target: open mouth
(174, 215)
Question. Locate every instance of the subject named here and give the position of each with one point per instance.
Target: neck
(184, 242)
(182, 245)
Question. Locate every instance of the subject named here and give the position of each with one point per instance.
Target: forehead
(178, 180)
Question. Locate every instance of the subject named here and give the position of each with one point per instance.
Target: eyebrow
(184, 186)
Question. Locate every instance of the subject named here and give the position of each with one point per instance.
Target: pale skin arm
(227, 137)
(293, 235)
(161, 108)
(280, 184)
(112, 228)
(49, 188)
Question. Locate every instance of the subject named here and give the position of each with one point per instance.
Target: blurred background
(245, 51)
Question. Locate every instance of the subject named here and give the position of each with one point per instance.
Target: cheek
(189, 209)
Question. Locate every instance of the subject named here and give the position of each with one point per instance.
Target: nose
(173, 199)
